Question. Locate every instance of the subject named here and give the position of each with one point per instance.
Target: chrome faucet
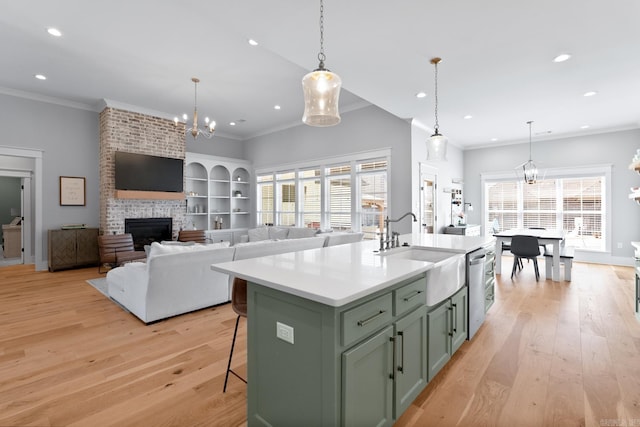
(390, 241)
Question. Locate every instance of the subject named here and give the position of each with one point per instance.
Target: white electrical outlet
(284, 332)
(619, 245)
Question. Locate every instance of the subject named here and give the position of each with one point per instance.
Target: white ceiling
(497, 60)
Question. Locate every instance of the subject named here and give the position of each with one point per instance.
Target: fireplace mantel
(149, 195)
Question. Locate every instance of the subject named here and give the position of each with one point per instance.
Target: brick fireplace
(122, 130)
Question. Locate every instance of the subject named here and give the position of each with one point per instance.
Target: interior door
(428, 201)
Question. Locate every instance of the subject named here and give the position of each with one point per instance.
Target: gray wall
(216, 146)
(364, 129)
(69, 139)
(616, 148)
(9, 198)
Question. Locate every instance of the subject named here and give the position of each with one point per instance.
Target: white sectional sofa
(174, 280)
(271, 233)
(177, 279)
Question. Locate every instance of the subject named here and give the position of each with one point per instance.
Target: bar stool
(239, 305)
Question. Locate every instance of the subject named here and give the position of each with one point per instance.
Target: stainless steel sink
(444, 278)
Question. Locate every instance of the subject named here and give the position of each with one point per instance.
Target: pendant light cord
(321, 55)
(529, 123)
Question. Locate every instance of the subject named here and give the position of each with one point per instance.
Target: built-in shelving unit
(218, 193)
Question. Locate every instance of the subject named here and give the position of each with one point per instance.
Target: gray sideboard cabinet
(447, 325)
(359, 364)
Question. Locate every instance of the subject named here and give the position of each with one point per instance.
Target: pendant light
(529, 169)
(437, 143)
(321, 90)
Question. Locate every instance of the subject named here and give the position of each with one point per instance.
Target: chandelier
(437, 143)
(529, 169)
(321, 89)
(210, 126)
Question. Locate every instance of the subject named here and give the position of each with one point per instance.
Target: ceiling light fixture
(562, 57)
(40, 77)
(437, 143)
(529, 169)
(210, 126)
(590, 93)
(421, 95)
(276, 107)
(321, 89)
(468, 116)
(252, 42)
(54, 32)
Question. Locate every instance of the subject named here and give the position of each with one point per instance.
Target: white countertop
(338, 275)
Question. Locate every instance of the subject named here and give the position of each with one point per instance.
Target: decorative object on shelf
(73, 190)
(238, 178)
(237, 193)
(321, 89)
(456, 200)
(437, 143)
(210, 126)
(529, 169)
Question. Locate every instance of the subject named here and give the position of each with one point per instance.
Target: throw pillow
(277, 233)
(257, 234)
(301, 232)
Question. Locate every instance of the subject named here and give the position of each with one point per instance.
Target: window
(265, 199)
(311, 197)
(372, 180)
(339, 197)
(342, 194)
(575, 204)
(286, 197)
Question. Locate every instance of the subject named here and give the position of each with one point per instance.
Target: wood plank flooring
(549, 354)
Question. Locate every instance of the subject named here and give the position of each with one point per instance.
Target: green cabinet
(383, 375)
(359, 364)
(447, 326)
(368, 381)
(410, 376)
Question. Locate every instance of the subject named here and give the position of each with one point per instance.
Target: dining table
(554, 237)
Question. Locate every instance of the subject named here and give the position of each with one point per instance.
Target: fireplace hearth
(147, 230)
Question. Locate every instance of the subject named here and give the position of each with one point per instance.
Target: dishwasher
(475, 277)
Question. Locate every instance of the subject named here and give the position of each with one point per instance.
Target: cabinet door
(62, 249)
(637, 291)
(439, 340)
(411, 359)
(87, 246)
(460, 316)
(367, 383)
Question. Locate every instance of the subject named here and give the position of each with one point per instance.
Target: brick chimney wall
(122, 130)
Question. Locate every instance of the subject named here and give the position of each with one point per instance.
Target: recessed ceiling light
(54, 32)
(232, 123)
(252, 42)
(591, 93)
(468, 116)
(421, 95)
(40, 77)
(276, 107)
(494, 139)
(585, 127)
(562, 57)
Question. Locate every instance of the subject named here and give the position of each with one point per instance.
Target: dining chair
(525, 247)
(239, 305)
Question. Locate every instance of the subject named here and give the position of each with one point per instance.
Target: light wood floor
(549, 354)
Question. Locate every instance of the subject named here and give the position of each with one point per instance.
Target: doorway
(428, 199)
(26, 164)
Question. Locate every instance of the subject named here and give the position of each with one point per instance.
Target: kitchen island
(343, 335)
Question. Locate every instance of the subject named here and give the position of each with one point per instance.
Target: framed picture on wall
(73, 191)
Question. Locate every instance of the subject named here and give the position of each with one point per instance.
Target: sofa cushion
(258, 234)
(158, 249)
(301, 232)
(278, 233)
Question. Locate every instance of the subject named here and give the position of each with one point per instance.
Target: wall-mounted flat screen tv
(142, 172)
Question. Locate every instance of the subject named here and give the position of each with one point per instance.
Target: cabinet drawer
(366, 318)
(409, 296)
